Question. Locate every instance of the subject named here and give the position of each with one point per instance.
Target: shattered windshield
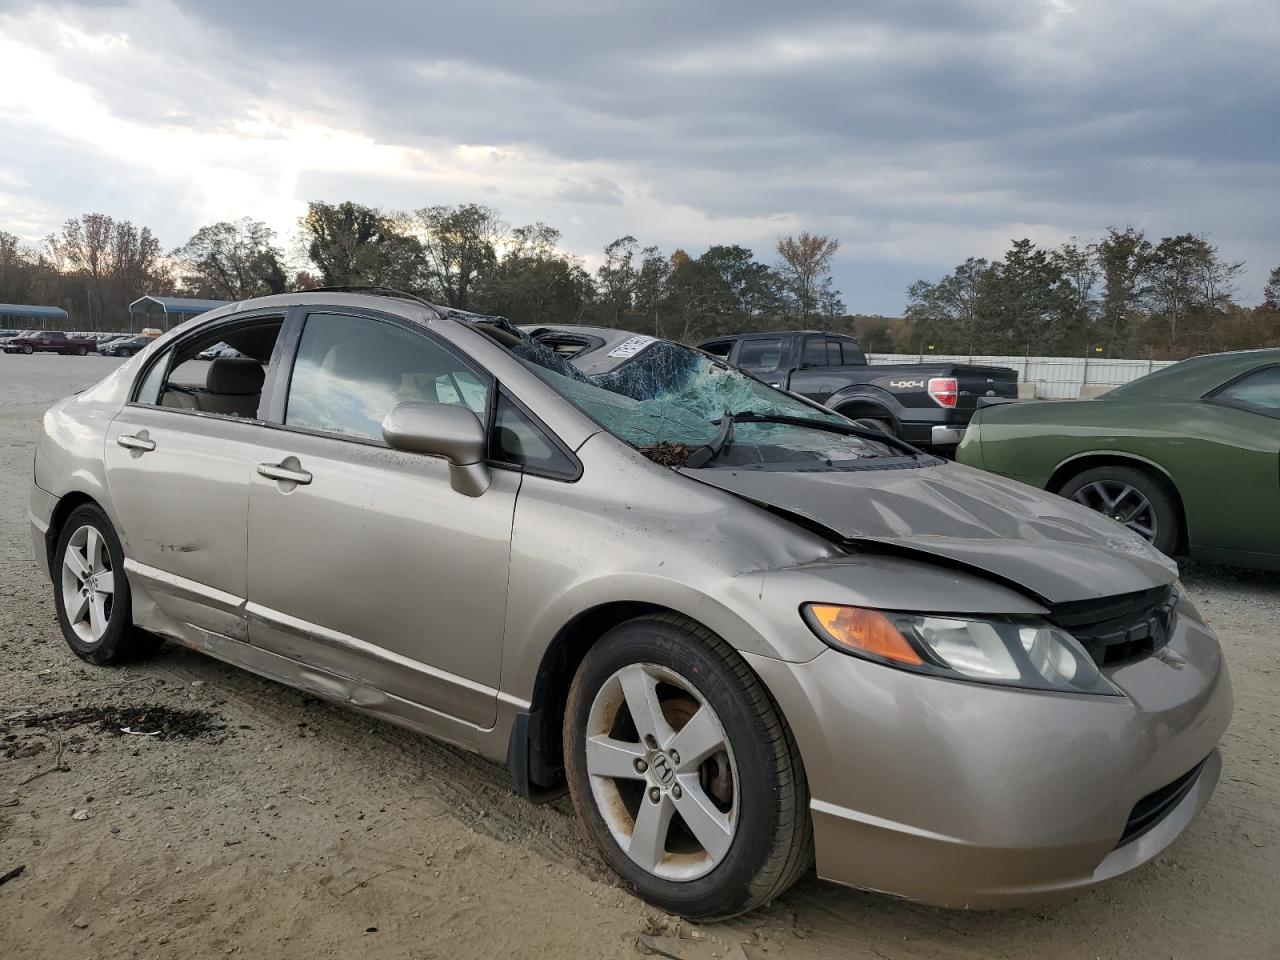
(667, 401)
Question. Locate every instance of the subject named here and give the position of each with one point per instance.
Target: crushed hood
(1055, 549)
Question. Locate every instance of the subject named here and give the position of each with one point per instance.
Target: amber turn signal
(867, 631)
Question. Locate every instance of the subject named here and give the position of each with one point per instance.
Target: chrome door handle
(131, 442)
(278, 472)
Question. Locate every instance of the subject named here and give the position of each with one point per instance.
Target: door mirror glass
(442, 430)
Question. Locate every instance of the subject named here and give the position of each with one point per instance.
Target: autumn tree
(1173, 271)
(1121, 258)
(17, 266)
(1078, 267)
(617, 279)
(1027, 300)
(1271, 293)
(353, 244)
(459, 244)
(950, 309)
(117, 262)
(534, 282)
(232, 261)
(805, 265)
(650, 293)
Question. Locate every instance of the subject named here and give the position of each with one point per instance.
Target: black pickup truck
(923, 403)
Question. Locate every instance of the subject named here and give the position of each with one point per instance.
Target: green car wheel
(1132, 497)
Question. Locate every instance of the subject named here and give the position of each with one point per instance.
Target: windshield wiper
(830, 426)
(716, 445)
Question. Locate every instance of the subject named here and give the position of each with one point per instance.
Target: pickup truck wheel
(81, 351)
(1132, 497)
(682, 772)
(26, 350)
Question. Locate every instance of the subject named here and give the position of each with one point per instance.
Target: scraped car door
(364, 563)
(179, 482)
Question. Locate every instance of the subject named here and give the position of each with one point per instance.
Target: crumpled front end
(967, 795)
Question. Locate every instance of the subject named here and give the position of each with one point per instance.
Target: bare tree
(117, 261)
(805, 266)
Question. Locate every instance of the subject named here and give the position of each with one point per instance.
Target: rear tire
(81, 351)
(91, 592)
(1140, 501)
(739, 833)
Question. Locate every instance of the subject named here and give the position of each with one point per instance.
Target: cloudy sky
(917, 131)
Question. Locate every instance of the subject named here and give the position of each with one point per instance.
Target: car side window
(149, 389)
(760, 356)
(815, 352)
(193, 378)
(350, 371)
(518, 439)
(1259, 392)
(851, 353)
(721, 348)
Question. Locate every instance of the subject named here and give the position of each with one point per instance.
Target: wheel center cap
(663, 770)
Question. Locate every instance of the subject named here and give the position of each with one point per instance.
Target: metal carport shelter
(165, 312)
(24, 313)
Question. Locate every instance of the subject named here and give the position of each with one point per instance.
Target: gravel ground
(268, 824)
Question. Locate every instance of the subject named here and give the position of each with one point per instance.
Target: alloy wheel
(662, 772)
(1123, 503)
(88, 584)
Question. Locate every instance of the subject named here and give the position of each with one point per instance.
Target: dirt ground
(293, 828)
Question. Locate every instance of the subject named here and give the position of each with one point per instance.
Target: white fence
(1055, 378)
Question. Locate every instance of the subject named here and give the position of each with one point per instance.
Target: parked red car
(51, 341)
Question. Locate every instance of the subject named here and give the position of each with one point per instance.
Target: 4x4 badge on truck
(906, 383)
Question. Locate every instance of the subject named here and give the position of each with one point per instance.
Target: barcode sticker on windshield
(631, 346)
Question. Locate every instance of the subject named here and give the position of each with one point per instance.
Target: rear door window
(229, 387)
(851, 353)
(815, 352)
(763, 355)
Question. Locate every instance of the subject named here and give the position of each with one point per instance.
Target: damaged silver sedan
(741, 630)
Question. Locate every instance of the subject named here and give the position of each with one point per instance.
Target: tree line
(464, 256)
(1122, 295)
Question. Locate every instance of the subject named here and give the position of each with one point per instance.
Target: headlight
(1016, 652)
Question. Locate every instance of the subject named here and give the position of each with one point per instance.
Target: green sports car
(1188, 457)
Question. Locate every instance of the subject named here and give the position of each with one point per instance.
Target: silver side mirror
(443, 430)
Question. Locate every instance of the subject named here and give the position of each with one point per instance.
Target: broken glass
(668, 399)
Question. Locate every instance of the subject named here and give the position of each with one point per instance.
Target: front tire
(27, 350)
(682, 771)
(1132, 497)
(91, 591)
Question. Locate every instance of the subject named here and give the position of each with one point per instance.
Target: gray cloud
(597, 190)
(919, 133)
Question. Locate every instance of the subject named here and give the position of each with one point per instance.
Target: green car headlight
(1015, 652)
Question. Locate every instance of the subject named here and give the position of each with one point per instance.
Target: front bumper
(964, 795)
